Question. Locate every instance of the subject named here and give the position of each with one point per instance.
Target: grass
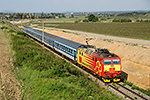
(45, 76)
(70, 32)
(129, 30)
(147, 92)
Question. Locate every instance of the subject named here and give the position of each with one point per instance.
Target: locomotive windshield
(107, 61)
(116, 61)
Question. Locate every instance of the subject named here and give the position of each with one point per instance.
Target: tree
(91, 17)
(63, 15)
(96, 18)
(25, 15)
(52, 14)
(72, 16)
(45, 15)
(42, 14)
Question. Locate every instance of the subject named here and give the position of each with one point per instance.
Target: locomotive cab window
(107, 61)
(116, 61)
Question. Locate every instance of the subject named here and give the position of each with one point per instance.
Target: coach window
(72, 52)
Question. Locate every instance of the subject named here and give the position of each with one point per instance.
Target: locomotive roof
(99, 53)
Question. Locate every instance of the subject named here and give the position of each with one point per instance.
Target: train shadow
(124, 76)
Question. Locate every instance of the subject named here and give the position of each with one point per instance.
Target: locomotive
(100, 61)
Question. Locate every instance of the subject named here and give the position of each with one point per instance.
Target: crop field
(71, 20)
(130, 30)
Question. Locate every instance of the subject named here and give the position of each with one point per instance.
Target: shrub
(4, 27)
(11, 31)
(20, 33)
(85, 20)
(76, 21)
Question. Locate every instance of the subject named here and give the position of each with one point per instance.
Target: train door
(79, 56)
(99, 64)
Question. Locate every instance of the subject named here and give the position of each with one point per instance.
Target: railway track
(117, 88)
(128, 92)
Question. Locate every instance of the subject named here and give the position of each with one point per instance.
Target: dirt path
(9, 85)
(121, 39)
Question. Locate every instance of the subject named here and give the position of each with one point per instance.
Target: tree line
(42, 15)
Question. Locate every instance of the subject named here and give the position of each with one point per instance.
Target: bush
(4, 27)
(11, 31)
(93, 20)
(116, 20)
(137, 20)
(20, 33)
(146, 20)
(76, 21)
(85, 20)
(122, 20)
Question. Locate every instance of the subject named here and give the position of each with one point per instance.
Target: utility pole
(43, 33)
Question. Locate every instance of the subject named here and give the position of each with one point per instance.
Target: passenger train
(100, 61)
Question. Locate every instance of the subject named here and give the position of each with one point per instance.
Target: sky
(60, 6)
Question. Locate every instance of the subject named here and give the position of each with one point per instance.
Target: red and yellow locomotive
(101, 62)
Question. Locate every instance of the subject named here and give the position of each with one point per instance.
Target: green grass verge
(44, 76)
(147, 92)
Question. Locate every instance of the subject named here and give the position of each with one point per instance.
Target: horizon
(78, 11)
(48, 6)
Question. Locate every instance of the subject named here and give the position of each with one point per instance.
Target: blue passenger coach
(61, 45)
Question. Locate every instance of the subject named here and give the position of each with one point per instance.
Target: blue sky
(73, 5)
